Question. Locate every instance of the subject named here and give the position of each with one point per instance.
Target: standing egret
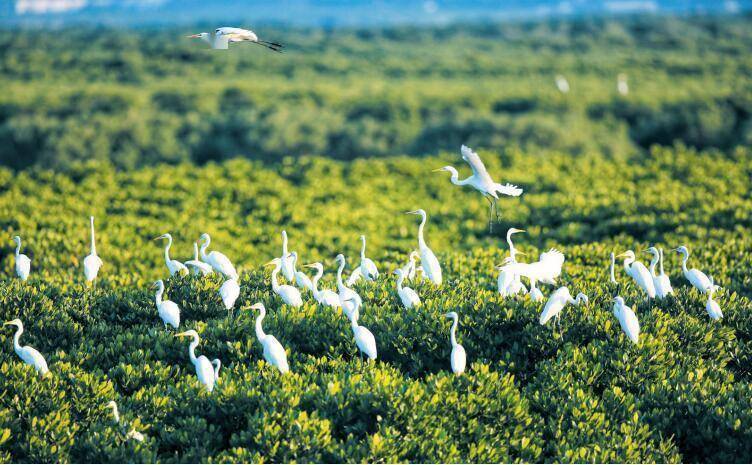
(223, 36)
(274, 353)
(535, 294)
(132, 434)
(92, 262)
(663, 277)
(509, 283)
(556, 303)
(289, 294)
(714, 310)
(408, 296)
(409, 269)
(345, 293)
(301, 280)
(174, 266)
(217, 260)
(204, 368)
(627, 319)
(459, 357)
(562, 84)
(229, 292)
(621, 84)
(367, 267)
(168, 310)
(325, 296)
(363, 337)
(197, 265)
(28, 354)
(428, 261)
(23, 263)
(695, 277)
(637, 271)
(661, 282)
(287, 269)
(613, 263)
(545, 270)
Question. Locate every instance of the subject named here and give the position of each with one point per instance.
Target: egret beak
(159, 237)
(621, 255)
(447, 315)
(256, 306)
(273, 262)
(182, 334)
(437, 169)
(8, 323)
(194, 36)
(310, 265)
(414, 212)
(520, 253)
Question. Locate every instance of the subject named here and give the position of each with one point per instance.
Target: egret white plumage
(287, 269)
(562, 84)
(545, 270)
(204, 368)
(661, 282)
(627, 319)
(409, 269)
(509, 283)
(218, 261)
(613, 263)
(325, 296)
(289, 294)
(639, 273)
(458, 358)
(92, 262)
(621, 84)
(408, 296)
(697, 278)
(274, 353)
(168, 310)
(229, 292)
(712, 307)
(301, 280)
(174, 266)
(429, 262)
(535, 294)
(28, 354)
(23, 263)
(368, 269)
(132, 434)
(345, 293)
(198, 267)
(556, 303)
(363, 337)
(223, 36)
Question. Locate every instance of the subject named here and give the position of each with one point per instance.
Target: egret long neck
(284, 244)
(93, 243)
(315, 280)
(16, 338)
(512, 250)
(204, 246)
(400, 279)
(453, 332)
(260, 334)
(340, 284)
(195, 251)
(167, 249)
(421, 241)
(18, 247)
(160, 291)
(613, 262)
(627, 262)
(363, 248)
(685, 257)
(275, 283)
(456, 178)
(192, 350)
(661, 261)
(653, 262)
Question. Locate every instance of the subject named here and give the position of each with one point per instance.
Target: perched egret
(509, 283)
(132, 434)
(714, 310)
(218, 261)
(345, 293)
(204, 368)
(325, 296)
(408, 296)
(23, 263)
(197, 265)
(613, 263)
(229, 292)
(637, 271)
(695, 277)
(28, 354)
(535, 294)
(481, 180)
(562, 84)
(663, 277)
(289, 294)
(223, 36)
(301, 280)
(458, 357)
(409, 269)
(661, 282)
(287, 270)
(174, 266)
(545, 270)
(363, 337)
(168, 310)
(428, 260)
(367, 267)
(92, 262)
(556, 303)
(274, 353)
(621, 84)
(627, 319)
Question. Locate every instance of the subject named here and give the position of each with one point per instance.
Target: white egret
(274, 353)
(363, 337)
(217, 364)
(229, 292)
(545, 270)
(289, 294)
(197, 265)
(325, 296)
(714, 310)
(92, 262)
(168, 310)
(408, 296)
(23, 263)
(697, 278)
(368, 268)
(639, 273)
(218, 261)
(621, 84)
(287, 269)
(613, 263)
(663, 277)
(409, 269)
(661, 282)
(174, 266)
(345, 293)
(301, 280)
(28, 354)
(556, 303)
(428, 261)
(223, 36)
(562, 84)
(535, 294)
(509, 283)
(627, 319)
(204, 368)
(458, 358)
(132, 434)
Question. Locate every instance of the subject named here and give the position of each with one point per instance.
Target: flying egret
(481, 180)
(621, 84)
(556, 303)
(345, 293)
(301, 280)
(458, 358)
(287, 269)
(204, 368)
(562, 84)
(368, 268)
(695, 277)
(627, 319)
(229, 292)
(637, 271)
(223, 36)
(23, 263)
(661, 282)
(289, 294)
(28, 354)
(168, 310)
(613, 263)
(132, 434)
(92, 262)
(363, 337)
(274, 353)
(174, 266)
(325, 296)
(428, 261)
(408, 296)
(714, 310)
(509, 283)
(197, 265)
(218, 261)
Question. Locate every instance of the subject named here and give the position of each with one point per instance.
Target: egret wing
(479, 169)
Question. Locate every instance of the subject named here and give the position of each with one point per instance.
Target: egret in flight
(23, 263)
(346, 295)
(428, 261)
(218, 261)
(301, 280)
(168, 310)
(697, 278)
(714, 310)
(408, 296)
(92, 262)
(627, 319)
(174, 266)
(289, 294)
(363, 337)
(661, 282)
(223, 36)
(274, 353)
(197, 265)
(556, 303)
(287, 270)
(229, 292)
(132, 434)
(205, 370)
(637, 271)
(28, 354)
(325, 296)
(458, 358)
(481, 180)
(545, 270)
